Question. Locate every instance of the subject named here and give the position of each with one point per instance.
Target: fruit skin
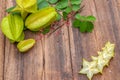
(41, 19)
(25, 45)
(25, 7)
(26, 3)
(12, 27)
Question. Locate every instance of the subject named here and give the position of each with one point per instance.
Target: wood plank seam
(70, 48)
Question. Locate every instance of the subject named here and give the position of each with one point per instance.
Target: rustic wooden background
(60, 57)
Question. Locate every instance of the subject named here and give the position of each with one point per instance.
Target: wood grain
(59, 57)
(2, 41)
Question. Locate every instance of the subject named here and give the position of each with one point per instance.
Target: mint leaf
(90, 27)
(90, 18)
(68, 10)
(79, 17)
(75, 7)
(43, 4)
(86, 26)
(84, 18)
(10, 9)
(77, 2)
(65, 15)
(53, 1)
(58, 17)
(62, 4)
(76, 23)
(39, 1)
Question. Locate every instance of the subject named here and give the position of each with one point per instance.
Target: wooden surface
(59, 57)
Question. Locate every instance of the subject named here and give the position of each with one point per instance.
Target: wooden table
(59, 57)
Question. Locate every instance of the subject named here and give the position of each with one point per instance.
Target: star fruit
(98, 63)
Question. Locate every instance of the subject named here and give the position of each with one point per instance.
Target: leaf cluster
(84, 23)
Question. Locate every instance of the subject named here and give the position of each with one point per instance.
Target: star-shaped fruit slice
(89, 68)
(100, 62)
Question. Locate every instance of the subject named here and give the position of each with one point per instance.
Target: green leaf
(10, 9)
(65, 15)
(58, 17)
(75, 7)
(46, 30)
(43, 4)
(77, 2)
(83, 26)
(68, 10)
(91, 18)
(84, 23)
(90, 27)
(84, 18)
(79, 17)
(86, 26)
(39, 1)
(76, 23)
(53, 1)
(61, 4)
